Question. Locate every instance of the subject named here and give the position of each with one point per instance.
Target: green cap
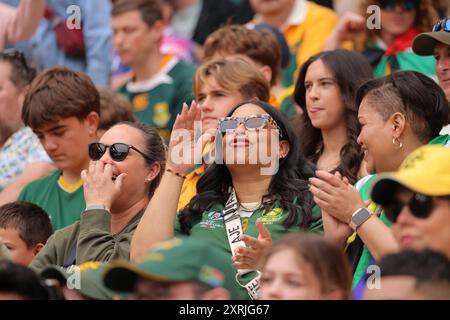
(4, 252)
(177, 260)
(85, 278)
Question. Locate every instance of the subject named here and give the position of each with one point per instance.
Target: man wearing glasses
(22, 157)
(437, 43)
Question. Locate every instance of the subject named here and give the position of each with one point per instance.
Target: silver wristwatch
(359, 217)
(96, 207)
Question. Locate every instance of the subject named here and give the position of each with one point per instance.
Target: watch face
(361, 216)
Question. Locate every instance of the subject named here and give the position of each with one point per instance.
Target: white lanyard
(233, 227)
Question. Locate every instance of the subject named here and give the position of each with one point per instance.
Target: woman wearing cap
(416, 199)
(386, 36)
(243, 201)
(328, 127)
(398, 114)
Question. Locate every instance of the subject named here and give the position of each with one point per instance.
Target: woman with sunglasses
(243, 201)
(218, 86)
(386, 38)
(416, 199)
(125, 169)
(398, 114)
(328, 127)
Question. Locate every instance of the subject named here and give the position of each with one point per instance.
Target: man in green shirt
(160, 84)
(62, 107)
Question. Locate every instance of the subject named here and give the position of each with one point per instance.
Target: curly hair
(289, 184)
(426, 17)
(350, 69)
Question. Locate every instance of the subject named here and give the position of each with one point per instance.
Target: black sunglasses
(117, 151)
(443, 24)
(251, 123)
(420, 206)
(389, 5)
(17, 55)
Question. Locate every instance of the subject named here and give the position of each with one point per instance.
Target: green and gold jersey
(62, 202)
(211, 226)
(157, 101)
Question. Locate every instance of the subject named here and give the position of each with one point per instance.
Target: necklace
(252, 206)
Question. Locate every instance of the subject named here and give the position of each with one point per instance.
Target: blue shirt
(42, 49)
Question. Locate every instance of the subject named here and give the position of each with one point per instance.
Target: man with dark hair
(20, 283)
(413, 275)
(160, 83)
(24, 229)
(22, 158)
(62, 107)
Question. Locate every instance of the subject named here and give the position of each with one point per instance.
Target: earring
(397, 143)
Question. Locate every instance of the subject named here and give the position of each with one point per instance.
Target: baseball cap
(426, 170)
(176, 260)
(86, 278)
(424, 43)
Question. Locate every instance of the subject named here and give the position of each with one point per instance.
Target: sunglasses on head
(17, 55)
(443, 24)
(389, 5)
(117, 151)
(420, 206)
(251, 123)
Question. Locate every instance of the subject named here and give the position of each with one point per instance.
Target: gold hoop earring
(397, 143)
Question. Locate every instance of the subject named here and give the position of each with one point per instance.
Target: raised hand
(99, 187)
(250, 257)
(184, 151)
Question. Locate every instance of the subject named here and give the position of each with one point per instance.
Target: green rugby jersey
(62, 204)
(211, 228)
(157, 101)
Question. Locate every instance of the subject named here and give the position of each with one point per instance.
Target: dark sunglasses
(443, 24)
(117, 151)
(389, 5)
(251, 123)
(420, 206)
(17, 55)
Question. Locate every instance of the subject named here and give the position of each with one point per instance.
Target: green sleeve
(95, 241)
(55, 250)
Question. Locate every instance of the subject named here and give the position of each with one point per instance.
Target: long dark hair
(289, 185)
(350, 69)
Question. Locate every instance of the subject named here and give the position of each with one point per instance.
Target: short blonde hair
(233, 75)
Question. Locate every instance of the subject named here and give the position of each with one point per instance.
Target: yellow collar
(66, 186)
